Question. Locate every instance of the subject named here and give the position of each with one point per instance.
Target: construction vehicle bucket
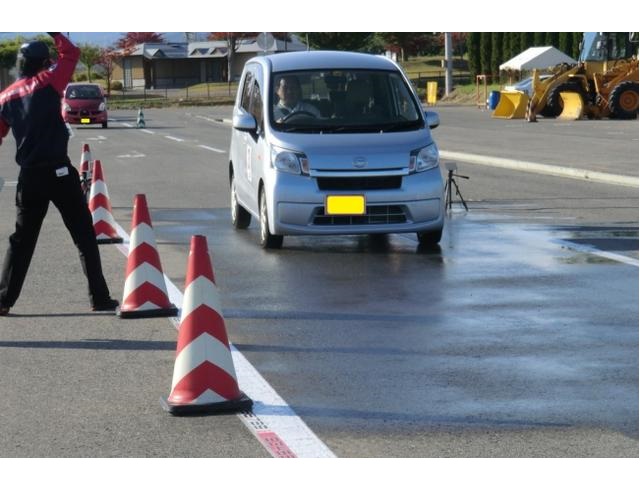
(573, 106)
(512, 104)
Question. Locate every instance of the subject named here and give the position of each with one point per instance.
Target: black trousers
(36, 188)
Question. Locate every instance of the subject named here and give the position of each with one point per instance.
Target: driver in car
(289, 93)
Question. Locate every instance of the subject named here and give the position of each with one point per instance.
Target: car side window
(256, 106)
(246, 92)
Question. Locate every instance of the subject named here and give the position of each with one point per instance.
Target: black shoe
(108, 305)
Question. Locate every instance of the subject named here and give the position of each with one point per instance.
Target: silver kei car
(333, 143)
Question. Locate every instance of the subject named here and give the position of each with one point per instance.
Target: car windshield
(343, 101)
(84, 92)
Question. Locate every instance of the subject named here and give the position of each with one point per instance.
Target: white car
(332, 143)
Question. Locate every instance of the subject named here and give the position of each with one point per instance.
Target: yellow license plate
(85, 120)
(345, 205)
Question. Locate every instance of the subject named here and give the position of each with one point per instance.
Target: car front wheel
(430, 237)
(240, 218)
(267, 240)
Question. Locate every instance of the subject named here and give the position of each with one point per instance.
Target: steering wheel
(296, 113)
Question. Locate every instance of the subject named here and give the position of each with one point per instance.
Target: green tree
(514, 44)
(539, 39)
(90, 57)
(485, 53)
(9, 49)
(526, 40)
(552, 39)
(496, 53)
(577, 40)
(473, 49)
(506, 46)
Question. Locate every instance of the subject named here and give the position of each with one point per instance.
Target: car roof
(281, 62)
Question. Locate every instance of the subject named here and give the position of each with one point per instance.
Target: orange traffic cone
(86, 167)
(145, 291)
(204, 378)
(100, 207)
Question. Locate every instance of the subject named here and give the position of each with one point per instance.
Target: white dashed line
(175, 139)
(217, 150)
(128, 125)
(148, 131)
(600, 253)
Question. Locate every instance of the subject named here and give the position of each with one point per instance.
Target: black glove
(53, 34)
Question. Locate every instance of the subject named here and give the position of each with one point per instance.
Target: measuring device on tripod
(451, 182)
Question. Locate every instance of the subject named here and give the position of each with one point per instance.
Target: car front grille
(360, 183)
(84, 112)
(375, 215)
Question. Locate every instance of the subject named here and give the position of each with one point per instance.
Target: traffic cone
(86, 162)
(86, 167)
(140, 123)
(145, 291)
(100, 207)
(204, 378)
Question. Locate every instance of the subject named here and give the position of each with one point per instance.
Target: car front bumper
(297, 206)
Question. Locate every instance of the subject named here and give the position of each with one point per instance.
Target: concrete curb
(554, 170)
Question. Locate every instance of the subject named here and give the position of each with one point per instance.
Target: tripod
(451, 181)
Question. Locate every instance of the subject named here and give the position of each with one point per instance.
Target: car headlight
(289, 161)
(66, 107)
(424, 159)
(102, 107)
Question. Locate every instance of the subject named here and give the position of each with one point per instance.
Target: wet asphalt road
(508, 340)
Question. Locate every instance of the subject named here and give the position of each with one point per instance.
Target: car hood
(85, 103)
(355, 151)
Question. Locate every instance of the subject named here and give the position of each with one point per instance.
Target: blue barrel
(494, 98)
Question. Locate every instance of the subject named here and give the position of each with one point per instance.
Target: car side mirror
(432, 119)
(244, 121)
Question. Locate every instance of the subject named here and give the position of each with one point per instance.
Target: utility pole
(448, 84)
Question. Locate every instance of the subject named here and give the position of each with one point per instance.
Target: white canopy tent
(537, 57)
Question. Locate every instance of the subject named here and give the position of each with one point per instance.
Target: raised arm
(59, 75)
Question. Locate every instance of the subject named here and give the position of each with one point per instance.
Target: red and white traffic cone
(86, 168)
(100, 207)
(204, 378)
(145, 291)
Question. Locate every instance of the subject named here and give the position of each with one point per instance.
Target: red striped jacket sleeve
(60, 74)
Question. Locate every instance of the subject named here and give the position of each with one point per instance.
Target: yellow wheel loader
(603, 84)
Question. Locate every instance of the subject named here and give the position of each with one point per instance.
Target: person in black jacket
(30, 108)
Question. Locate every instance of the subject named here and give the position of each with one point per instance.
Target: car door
(241, 147)
(257, 150)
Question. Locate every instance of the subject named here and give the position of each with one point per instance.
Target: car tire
(105, 125)
(240, 218)
(623, 101)
(429, 237)
(554, 105)
(267, 240)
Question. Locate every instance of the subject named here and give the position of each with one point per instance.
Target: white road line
(217, 150)
(175, 139)
(600, 253)
(208, 119)
(274, 423)
(553, 170)
(126, 124)
(148, 131)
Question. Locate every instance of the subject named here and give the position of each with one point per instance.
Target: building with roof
(178, 65)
